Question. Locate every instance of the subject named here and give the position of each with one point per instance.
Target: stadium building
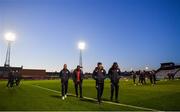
(168, 68)
(25, 73)
(163, 72)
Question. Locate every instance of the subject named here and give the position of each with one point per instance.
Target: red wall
(33, 73)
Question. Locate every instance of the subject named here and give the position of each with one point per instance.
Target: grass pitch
(163, 96)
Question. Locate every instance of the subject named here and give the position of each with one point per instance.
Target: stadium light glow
(146, 68)
(81, 45)
(9, 36)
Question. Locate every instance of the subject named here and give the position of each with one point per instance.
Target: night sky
(135, 33)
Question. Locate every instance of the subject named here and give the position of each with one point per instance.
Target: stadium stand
(25, 73)
(168, 68)
(33, 74)
(177, 75)
(52, 75)
(4, 71)
(161, 73)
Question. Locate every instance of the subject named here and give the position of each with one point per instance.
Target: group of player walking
(143, 75)
(14, 78)
(99, 75)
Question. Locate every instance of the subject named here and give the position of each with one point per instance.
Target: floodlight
(9, 36)
(81, 45)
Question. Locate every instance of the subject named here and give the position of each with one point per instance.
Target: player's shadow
(88, 100)
(105, 99)
(56, 96)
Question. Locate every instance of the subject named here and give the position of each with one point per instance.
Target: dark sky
(135, 33)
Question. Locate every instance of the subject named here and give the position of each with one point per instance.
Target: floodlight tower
(81, 46)
(10, 37)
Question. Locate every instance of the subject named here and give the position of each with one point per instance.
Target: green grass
(163, 96)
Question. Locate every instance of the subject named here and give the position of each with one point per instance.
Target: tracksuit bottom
(114, 87)
(100, 88)
(78, 84)
(64, 87)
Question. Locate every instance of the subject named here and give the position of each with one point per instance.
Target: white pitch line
(108, 102)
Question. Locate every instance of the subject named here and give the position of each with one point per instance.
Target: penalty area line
(93, 99)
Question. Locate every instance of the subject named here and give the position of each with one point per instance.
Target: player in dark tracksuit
(17, 78)
(138, 73)
(10, 79)
(64, 75)
(78, 80)
(144, 73)
(99, 74)
(134, 77)
(114, 75)
(151, 77)
(154, 76)
(141, 77)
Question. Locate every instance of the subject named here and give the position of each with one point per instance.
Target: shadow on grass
(105, 99)
(59, 96)
(81, 99)
(113, 101)
(88, 100)
(56, 96)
